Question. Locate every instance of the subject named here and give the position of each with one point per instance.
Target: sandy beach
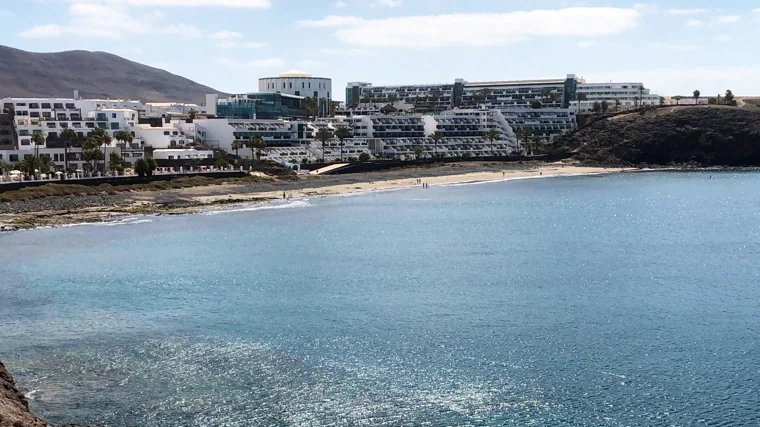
(46, 212)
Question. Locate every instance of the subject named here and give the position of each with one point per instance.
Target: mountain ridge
(95, 74)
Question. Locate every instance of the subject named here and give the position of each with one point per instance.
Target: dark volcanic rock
(14, 409)
(706, 136)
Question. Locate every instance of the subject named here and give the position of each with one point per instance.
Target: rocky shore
(62, 210)
(14, 408)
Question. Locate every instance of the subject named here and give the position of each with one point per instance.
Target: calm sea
(625, 300)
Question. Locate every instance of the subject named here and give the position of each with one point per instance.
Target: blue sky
(672, 46)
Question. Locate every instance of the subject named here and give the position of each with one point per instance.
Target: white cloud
(231, 44)
(683, 47)
(687, 11)
(728, 19)
(722, 38)
(340, 4)
(478, 29)
(647, 8)
(260, 63)
(225, 35)
(386, 3)
(696, 23)
(108, 21)
(587, 43)
(247, 4)
(756, 10)
(345, 52)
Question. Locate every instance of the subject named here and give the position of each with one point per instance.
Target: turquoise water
(625, 300)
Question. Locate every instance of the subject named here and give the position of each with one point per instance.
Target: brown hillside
(94, 74)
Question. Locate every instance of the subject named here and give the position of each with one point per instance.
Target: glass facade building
(260, 106)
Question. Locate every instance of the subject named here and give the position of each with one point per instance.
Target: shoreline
(201, 199)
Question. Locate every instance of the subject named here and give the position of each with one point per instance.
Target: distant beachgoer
(502, 173)
(283, 194)
(540, 173)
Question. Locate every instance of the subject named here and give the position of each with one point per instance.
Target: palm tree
(123, 137)
(392, 98)
(102, 139)
(334, 107)
(342, 133)
(192, 113)
(418, 150)
(68, 136)
(580, 97)
(525, 134)
(38, 138)
(729, 97)
(256, 144)
(436, 137)
(324, 135)
(605, 106)
(492, 135)
(641, 95)
(617, 104)
(236, 145)
(678, 99)
(696, 97)
(545, 94)
(311, 106)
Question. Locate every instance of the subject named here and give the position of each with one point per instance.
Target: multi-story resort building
(300, 84)
(619, 96)
(259, 105)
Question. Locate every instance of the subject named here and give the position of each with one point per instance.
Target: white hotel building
(619, 96)
(299, 83)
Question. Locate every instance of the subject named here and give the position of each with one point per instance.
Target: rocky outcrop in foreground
(707, 136)
(14, 408)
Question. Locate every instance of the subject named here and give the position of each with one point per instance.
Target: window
(21, 104)
(45, 114)
(113, 115)
(171, 157)
(34, 105)
(76, 125)
(283, 85)
(46, 105)
(328, 95)
(64, 125)
(13, 158)
(303, 85)
(298, 93)
(27, 156)
(34, 114)
(80, 135)
(51, 125)
(58, 106)
(175, 133)
(291, 85)
(309, 85)
(52, 135)
(7, 105)
(166, 132)
(70, 106)
(90, 125)
(316, 94)
(114, 126)
(23, 132)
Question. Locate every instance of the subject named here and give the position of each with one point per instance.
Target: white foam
(291, 204)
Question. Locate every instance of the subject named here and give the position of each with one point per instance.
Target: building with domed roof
(299, 83)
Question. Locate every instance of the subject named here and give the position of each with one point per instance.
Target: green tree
(536, 143)
(38, 138)
(342, 133)
(115, 163)
(364, 157)
(482, 95)
(192, 113)
(45, 164)
(141, 167)
(236, 145)
(90, 152)
(68, 136)
(324, 135)
(436, 137)
(545, 94)
(193, 163)
(311, 106)
(580, 97)
(524, 134)
(678, 99)
(123, 138)
(256, 144)
(597, 108)
(334, 107)
(536, 105)
(712, 101)
(152, 166)
(392, 98)
(617, 104)
(605, 106)
(729, 97)
(641, 95)
(696, 97)
(719, 99)
(418, 151)
(101, 138)
(492, 135)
